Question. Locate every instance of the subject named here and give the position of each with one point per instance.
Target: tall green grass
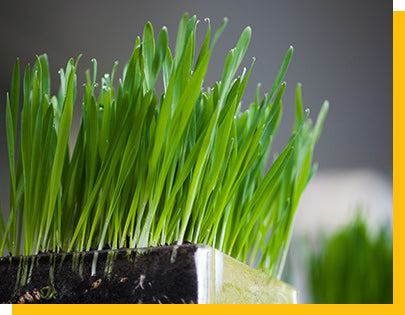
(149, 169)
(353, 266)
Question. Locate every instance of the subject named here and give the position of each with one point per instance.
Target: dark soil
(164, 274)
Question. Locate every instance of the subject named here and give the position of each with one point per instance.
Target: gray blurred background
(342, 52)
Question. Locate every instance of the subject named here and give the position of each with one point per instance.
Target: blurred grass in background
(352, 266)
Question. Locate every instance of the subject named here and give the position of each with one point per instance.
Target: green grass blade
(62, 142)
(282, 72)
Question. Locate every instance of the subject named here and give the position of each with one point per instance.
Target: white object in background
(398, 5)
(332, 199)
(5, 309)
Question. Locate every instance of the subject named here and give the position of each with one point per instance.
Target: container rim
(102, 251)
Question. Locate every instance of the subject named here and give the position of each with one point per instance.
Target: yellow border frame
(398, 135)
(399, 202)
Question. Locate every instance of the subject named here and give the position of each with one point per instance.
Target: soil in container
(165, 274)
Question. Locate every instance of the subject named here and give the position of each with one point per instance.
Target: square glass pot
(167, 274)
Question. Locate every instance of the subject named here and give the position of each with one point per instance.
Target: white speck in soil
(141, 280)
(36, 294)
(95, 284)
(28, 297)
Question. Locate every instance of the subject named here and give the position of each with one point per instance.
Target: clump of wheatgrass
(149, 169)
(353, 266)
